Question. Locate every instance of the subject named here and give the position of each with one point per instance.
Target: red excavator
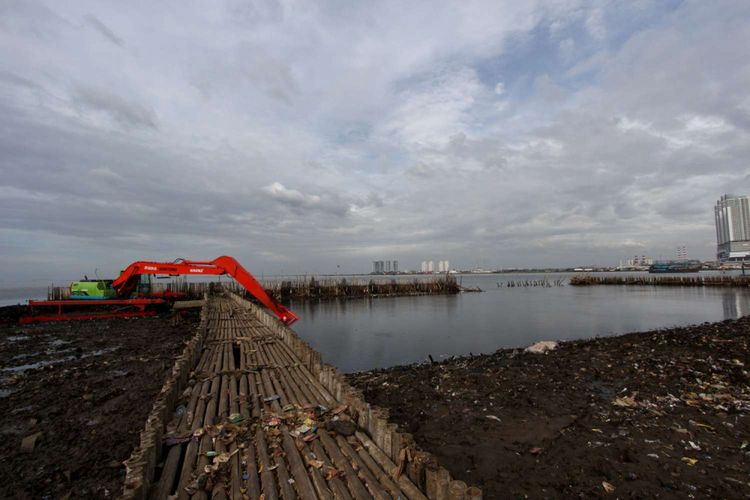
(126, 284)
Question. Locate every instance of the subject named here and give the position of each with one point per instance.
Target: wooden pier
(249, 411)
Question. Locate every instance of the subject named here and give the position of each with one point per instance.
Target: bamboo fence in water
(713, 281)
(310, 288)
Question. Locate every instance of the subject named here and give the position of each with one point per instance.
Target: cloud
(300, 136)
(123, 111)
(103, 30)
(301, 202)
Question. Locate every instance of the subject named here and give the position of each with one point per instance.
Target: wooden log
(355, 486)
(473, 493)
(302, 481)
(268, 484)
(457, 490)
(337, 485)
(409, 488)
(371, 482)
(444, 480)
(164, 486)
(282, 475)
(251, 468)
(318, 480)
(383, 476)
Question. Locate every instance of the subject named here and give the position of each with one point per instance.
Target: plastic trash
(690, 461)
(625, 402)
(29, 442)
(542, 347)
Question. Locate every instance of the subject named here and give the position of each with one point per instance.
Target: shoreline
(663, 412)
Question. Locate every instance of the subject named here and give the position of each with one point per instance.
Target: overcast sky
(300, 137)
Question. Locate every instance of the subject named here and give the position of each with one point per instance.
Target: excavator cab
(92, 290)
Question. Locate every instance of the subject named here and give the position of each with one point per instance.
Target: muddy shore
(661, 414)
(73, 399)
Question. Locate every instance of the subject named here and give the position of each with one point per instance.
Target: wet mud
(661, 414)
(74, 397)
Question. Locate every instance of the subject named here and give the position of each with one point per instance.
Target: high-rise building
(388, 266)
(424, 266)
(431, 266)
(447, 266)
(395, 266)
(682, 253)
(732, 227)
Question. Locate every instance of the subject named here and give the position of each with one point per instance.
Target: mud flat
(73, 399)
(651, 414)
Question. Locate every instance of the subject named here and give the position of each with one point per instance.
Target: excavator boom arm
(128, 279)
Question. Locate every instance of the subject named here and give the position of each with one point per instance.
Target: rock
(343, 427)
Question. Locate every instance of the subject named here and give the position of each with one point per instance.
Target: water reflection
(735, 304)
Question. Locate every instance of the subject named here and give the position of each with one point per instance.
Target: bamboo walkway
(258, 416)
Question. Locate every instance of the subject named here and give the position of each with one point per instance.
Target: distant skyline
(317, 137)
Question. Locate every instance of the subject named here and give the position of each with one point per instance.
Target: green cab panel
(101, 289)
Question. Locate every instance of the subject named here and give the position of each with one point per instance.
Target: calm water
(362, 334)
(19, 295)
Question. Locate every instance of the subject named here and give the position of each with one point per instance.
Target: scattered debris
(84, 441)
(620, 409)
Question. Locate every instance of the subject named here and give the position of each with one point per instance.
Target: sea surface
(21, 294)
(360, 334)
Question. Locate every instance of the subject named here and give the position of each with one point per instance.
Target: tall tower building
(424, 266)
(388, 266)
(395, 266)
(732, 228)
(431, 266)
